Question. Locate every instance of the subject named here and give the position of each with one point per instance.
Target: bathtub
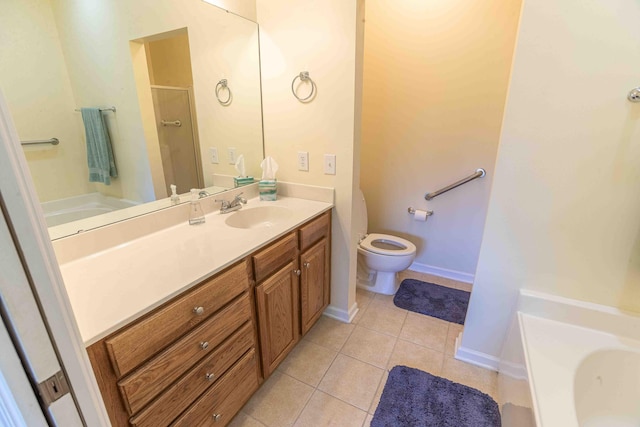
(579, 362)
(62, 211)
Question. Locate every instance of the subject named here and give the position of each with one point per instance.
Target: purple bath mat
(413, 398)
(433, 300)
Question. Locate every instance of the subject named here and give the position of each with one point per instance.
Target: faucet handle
(240, 199)
(225, 203)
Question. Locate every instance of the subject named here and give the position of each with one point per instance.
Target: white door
(31, 289)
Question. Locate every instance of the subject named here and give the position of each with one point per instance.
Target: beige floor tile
(352, 381)
(324, 410)
(384, 299)
(430, 278)
(279, 401)
(467, 287)
(470, 375)
(416, 356)
(359, 314)
(383, 318)
(376, 397)
(452, 334)
(329, 333)
(244, 420)
(308, 362)
(367, 422)
(425, 330)
(363, 297)
(369, 346)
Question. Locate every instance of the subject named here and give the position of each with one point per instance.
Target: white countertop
(110, 288)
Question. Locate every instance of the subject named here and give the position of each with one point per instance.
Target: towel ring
(303, 76)
(222, 84)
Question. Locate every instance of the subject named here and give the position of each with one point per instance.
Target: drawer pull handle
(307, 264)
(297, 272)
(198, 311)
(204, 345)
(210, 377)
(216, 417)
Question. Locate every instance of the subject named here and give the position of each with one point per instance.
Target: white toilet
(381, 257)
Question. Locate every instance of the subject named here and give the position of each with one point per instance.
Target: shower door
(179, 148)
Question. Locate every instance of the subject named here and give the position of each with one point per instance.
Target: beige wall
(245, 8)
(564, 214)
(169, 61)
(42, 108)
(435, 82)
(319, 37)
(96, 36)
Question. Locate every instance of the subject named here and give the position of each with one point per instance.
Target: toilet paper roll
(420, 215)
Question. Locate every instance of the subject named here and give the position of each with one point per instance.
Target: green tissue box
(243, 180)
(268, 189)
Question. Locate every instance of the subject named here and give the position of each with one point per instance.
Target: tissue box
(268, 189)
(242, 180)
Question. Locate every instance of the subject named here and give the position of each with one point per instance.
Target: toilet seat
(385, 244)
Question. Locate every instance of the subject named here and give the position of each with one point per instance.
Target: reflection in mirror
(158, 63)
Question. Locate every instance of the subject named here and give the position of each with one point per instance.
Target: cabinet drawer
(153, 377)
(275, 256)
(222, 401)
(180, 395)
(138, 343)
(315, 230)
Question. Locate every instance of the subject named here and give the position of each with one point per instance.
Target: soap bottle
(196, 214)
(175, 199)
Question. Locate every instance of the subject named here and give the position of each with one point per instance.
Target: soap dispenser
(196, 215)
(175, 199)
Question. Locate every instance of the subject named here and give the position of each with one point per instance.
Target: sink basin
(259, 217)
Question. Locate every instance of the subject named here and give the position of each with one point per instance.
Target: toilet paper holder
(412, 211)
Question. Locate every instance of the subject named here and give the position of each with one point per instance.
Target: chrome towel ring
(634, 95)
(304, 77)
(222, 84)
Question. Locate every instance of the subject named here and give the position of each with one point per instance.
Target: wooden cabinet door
(314, 284)
(277, 302)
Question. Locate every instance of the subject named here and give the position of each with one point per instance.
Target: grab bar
(52, 141)
(478, 174)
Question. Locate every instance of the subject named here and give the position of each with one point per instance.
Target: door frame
(26, 221)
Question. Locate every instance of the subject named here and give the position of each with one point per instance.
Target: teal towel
(102, 166)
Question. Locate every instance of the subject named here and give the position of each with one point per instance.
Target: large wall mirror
(183, 78)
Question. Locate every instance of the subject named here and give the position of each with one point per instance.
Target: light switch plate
(329, 164)
(232, 155)
(213, 155)
(303, 161)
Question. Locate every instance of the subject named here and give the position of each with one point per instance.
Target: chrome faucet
(233, 205)
(203, 193)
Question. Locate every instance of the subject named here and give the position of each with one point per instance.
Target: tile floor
(335, 375)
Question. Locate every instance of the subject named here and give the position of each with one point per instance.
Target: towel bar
(112, 109)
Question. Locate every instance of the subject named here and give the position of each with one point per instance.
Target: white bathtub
(62, 211)
(581, 362)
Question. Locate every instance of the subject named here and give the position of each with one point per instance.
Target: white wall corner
(475, 357)
(340, 314)
(460, 276)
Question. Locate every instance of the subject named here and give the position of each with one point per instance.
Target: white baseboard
(460, 276)
(475, 357)
(340, 314)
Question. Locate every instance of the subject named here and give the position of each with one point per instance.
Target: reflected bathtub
(62, 211)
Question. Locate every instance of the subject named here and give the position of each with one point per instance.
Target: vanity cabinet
(198, 358)
(293, 297)
(174, 361)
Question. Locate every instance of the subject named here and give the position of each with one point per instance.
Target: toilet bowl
(381, 257)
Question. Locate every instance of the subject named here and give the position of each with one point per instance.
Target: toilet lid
(385, 244)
